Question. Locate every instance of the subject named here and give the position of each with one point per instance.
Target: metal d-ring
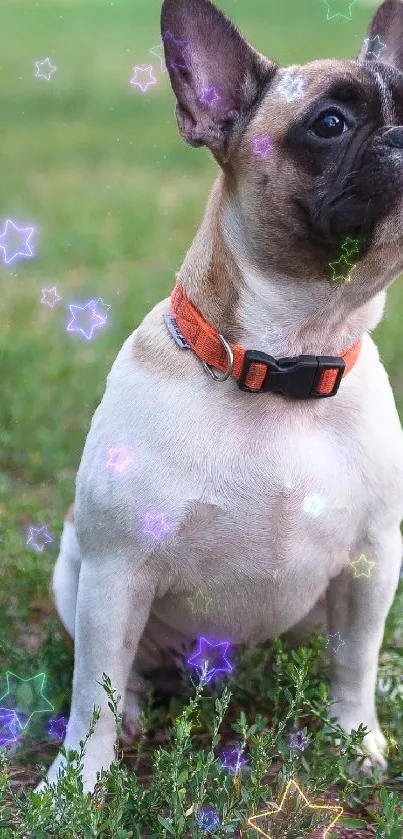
(230, 357)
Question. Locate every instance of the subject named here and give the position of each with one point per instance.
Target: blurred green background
(116, 197)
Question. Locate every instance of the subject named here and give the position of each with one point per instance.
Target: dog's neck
(277, 315)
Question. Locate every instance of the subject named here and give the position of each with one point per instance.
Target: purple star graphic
(21, 245)
(262, 147)
(207, 819)
(209, 96)
(214, 655)
(39, 537)
(146, 83)
(119, 458)
(233, 760)
(156, 525)
(298, 741)
(92, 320)
(50, 297)
(9, 727)
(183, 52)
(45, 69)
(57, 728)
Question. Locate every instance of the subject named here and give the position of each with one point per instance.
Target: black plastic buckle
(296, 377)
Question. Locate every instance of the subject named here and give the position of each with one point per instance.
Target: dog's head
(312, 154)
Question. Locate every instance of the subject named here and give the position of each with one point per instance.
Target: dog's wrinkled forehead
(373, 91)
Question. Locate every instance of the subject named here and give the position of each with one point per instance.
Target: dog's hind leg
(64, 583)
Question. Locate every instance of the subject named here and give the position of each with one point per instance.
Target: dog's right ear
(217, 77)
(385, 36)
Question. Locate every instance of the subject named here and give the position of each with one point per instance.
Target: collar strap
(301, 377)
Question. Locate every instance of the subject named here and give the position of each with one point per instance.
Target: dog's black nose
(394, 137)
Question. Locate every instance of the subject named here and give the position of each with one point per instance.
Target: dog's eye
(329, 124)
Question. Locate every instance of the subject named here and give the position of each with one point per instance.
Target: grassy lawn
(115, 197)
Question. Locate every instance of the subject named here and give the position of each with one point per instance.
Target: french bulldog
(245, 464)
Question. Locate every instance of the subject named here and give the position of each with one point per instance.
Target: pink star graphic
(155, 525)
(214, 655)
(119, 458)
(145, 83)
(262, 147)
(91, 319)
(209, 96)
(50, 297)
(13, 246)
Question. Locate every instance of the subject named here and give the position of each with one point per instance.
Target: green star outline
(341, 277)
(339, 14)
(350, 246)
(36, 691)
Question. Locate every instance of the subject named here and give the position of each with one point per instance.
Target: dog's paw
(131, 728)
(374, 747)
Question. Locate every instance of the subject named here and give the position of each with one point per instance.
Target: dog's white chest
(259, 507)
(262, 544)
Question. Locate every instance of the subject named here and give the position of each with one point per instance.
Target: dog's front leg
(112, 609)
(358, 604)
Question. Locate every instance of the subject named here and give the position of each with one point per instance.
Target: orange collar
(301, 377)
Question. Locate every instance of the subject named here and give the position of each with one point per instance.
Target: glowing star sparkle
(119, 458)
(342, 270)
(156, 525)
(362, 567)
(298, 740)
(263, 821)
(290, 87)
(57, 728)
(85, 319)
(143, 77)
(207, 819)
(373, 47)
(24, 697)
(16, 241)
(335, 642)
(50, 297)
(313, 505)
(200, 602)
(38, 537)
(182, 50)
(9, 728)
(213, 656)
(45, 69)
(233, 761)
(101, 307)
(158, 52)
(350, 246)
(339, 8)
(209, 96)
(262, 147)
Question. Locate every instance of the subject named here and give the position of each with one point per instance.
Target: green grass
(116, 198)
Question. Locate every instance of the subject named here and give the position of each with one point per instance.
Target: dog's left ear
(384, 41)
(217, 77)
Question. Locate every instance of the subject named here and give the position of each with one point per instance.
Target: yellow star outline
(342, 269)
(337, 810)
(368, 564)
(200, 602)
(23, 696)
